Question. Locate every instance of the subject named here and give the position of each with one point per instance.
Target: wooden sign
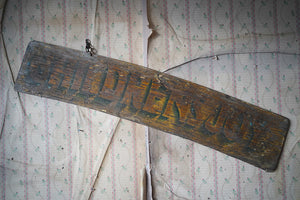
(155, 99)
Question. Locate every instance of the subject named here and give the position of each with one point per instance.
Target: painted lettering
(56, 76)
(134, 95)
(97, 79)
(142, 112)
(157, 101)
(77, 80)
(209, 125)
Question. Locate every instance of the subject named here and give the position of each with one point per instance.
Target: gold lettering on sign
(150, 99)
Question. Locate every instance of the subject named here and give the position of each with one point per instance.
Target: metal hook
(89, 47)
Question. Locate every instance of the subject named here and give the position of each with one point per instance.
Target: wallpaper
(53, 150)
(247, 49)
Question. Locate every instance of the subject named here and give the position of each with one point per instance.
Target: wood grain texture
(155, 99)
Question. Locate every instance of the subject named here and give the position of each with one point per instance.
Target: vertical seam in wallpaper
(146, 34)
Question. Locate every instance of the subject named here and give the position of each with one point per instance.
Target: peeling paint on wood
(155, 99)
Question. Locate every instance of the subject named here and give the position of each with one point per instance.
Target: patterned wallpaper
(54, 150)
(257, 47)
(50, 149)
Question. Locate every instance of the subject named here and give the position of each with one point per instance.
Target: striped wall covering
(258, 61)
(54, 150)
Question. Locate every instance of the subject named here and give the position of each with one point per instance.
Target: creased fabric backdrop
(258, 46)
(54, 150)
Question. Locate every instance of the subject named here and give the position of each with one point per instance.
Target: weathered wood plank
(155, 99)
